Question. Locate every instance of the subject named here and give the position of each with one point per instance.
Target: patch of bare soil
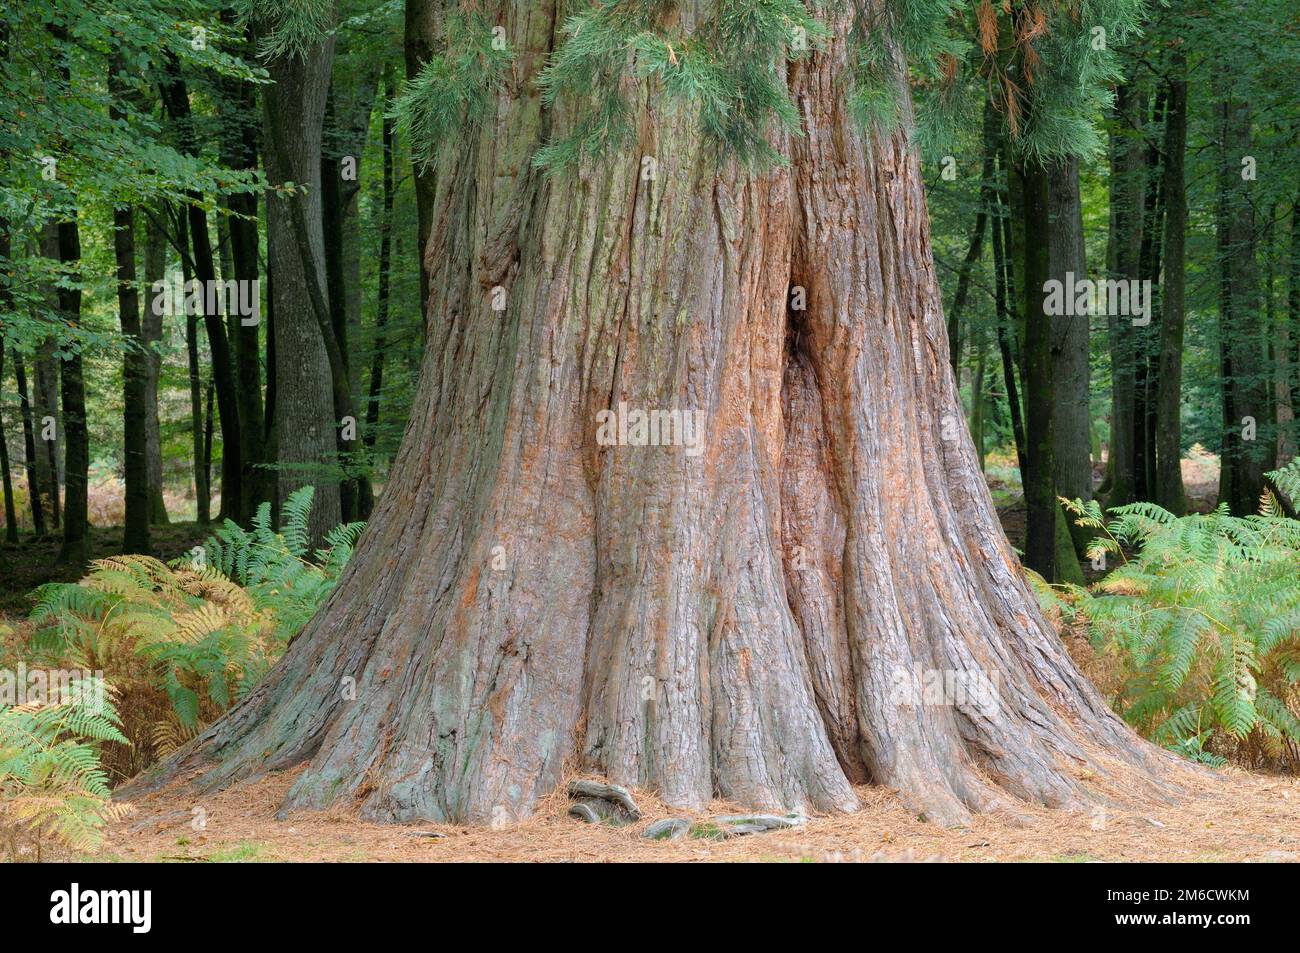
(1236, 816)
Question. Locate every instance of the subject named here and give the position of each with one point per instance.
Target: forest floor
(1238, 816)
(34, 561)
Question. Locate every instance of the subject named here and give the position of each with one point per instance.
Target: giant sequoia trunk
(744, 622)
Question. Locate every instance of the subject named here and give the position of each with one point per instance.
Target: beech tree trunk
(304, 404)
(737, 622)
(135, 529)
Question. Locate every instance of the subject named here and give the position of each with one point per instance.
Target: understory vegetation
(1199, 624)
(176, 644)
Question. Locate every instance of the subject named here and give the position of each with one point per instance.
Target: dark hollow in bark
(737, 622)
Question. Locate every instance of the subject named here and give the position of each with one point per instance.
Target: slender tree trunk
(382, 291)
(1293, 309)
(347, 125)
(1169, 491)
(29, 447)
(1067, 262)
(176, 99)
(135, 531)
(72, 390)
(977, 396)
(272, 446)
(531, 595)
(76, 502)
(1041, 505)
(1278, 334)
(306, 380)
(973, 252)
(1003, 296)
(135, 371)
(202, 490)
(1124, 245)
(1146, 354)
(155, 270)
(6, 305)
(1245, 392)
(207, 436)
(239, 151)
(420, 27)
(11, 511)
(48, 412)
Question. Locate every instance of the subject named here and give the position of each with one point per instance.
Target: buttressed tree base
(757, 621)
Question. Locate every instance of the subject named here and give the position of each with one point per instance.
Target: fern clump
(189, 632)
(182, 642)
(51, 780)
(275, 568)
(1203, 620)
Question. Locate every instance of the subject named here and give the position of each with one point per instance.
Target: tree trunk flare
(745, 621)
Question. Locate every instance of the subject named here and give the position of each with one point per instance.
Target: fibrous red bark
(745, 622)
